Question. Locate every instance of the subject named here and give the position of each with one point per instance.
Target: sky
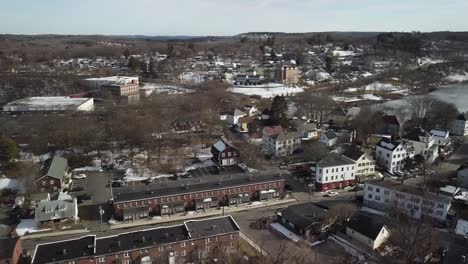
(228, 17)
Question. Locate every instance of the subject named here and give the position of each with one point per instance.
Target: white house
(389, 196)
(422, 143)
(334, 171)
(460, 125)
(328, 138)
(277, 142)
(391, 154)
(251, 110)
(365, 164)
(367, 231)
(232, 118)
(441, 136)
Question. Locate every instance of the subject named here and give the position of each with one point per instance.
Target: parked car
(77, 189)
(83, 197)
(80, 176)
(331, 194)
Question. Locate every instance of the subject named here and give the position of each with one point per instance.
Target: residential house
(232, 118)
(307, 220)
(334, 171)
(50, 213)
(460, 125)
(393, 197)
(441, 136)
(422, 143)
(195, 241)
(245, 124)
(11, 251)
(329, 138)
(184, 126)
(392, 125)
(339, 116)
(224, 154)
(278, 142)
(307, 130)
(53, 174)
(368, 231)
(250, 110)
(365, 164)
(391, 154)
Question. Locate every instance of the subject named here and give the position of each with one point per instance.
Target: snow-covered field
(457, 77)
(377, 86)
(156, 88)
(267, 90)
(6, 183)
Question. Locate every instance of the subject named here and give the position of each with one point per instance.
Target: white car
(331, 194)
(80, 176)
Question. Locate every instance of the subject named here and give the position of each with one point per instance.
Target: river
(454, 93)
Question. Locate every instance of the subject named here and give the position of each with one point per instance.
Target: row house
(53, 175)
(194, 241)
(334, 171)
(277, 142)
(394, 197)
(365, 164)
(166, 201)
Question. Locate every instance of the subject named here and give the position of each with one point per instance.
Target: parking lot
(96, 185)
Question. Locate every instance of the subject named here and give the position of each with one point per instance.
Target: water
(454, 93)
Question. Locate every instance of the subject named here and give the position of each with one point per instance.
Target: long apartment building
(392, 196)
(199, 195)
(193, 241)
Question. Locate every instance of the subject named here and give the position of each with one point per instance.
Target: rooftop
(304, 215)
(90, 246)
(333, 160)
(353, 153)
(55, 167)
(416, 133)
(388, 143)
(55, 210)
(49, 101)
(366, 225)
(411, 189)
(190, 185)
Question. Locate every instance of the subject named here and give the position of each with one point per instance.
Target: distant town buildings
(121, 88)
(288, 75)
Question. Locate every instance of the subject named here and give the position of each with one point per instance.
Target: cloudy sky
(228, 17)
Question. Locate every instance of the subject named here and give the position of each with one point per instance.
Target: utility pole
(101, 212)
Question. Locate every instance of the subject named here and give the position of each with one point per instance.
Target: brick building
(288, 75)
(201, 194)
(10, 251)
(53, 173)
(191, 242)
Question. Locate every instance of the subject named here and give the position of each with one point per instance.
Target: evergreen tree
(279, 110)
(126, 53)
(8, 151)
(132, 64)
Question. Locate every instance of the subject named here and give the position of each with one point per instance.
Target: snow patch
(285, 232)
(14, 185)
(457, 77)
(28, 226)
(267, 90)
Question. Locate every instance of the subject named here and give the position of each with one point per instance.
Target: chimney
(118, 243)
(64, 251)
(143, 239)
(213, 227)
(166, 235)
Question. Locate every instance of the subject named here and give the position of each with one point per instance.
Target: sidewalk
(253, 244)
(216, 212)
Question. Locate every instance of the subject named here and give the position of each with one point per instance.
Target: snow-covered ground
(285, 232)
(156, 88)
(267, 90)
(6, 183)
(377, 86)
(363, 97)
(457, 77)
(28, 226)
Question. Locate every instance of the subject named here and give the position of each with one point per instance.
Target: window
(184, 253)
(160, 248)
(127, 262)
(207, 248)
(44, 183)
(232, 236)
(440, 205)
(386, 192)
(101, 259)
(51, 181)
(369, 196)
(377, 190)
(377, 198)
(182, 244)
(207, 240)
(369, 188)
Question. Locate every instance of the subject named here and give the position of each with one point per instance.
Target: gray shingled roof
(55, 167)
(304, 215)
(365, 225)
(56, 209)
